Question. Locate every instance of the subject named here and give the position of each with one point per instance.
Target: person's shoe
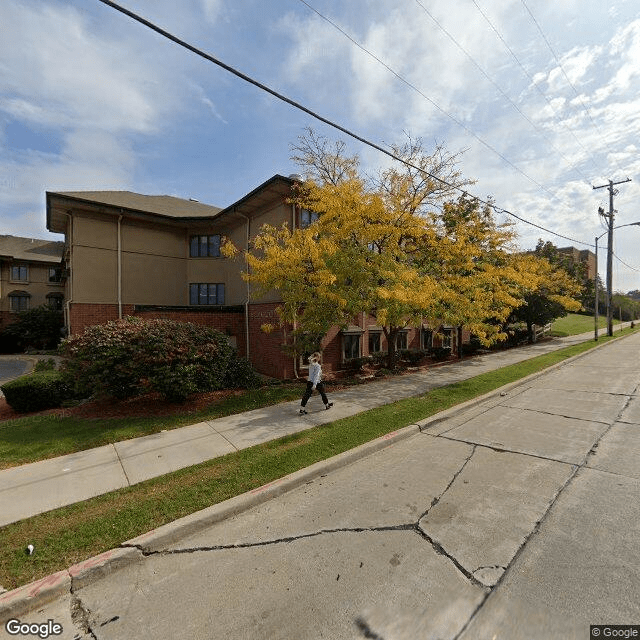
(303, 412)
(328, 405)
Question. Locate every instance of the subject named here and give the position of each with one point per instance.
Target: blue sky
(543, 97)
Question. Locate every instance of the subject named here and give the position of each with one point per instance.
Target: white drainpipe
(119, 268)
(67, 304)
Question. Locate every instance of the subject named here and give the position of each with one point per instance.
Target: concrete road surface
(518, 519)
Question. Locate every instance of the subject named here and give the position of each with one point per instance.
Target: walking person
(314, 381)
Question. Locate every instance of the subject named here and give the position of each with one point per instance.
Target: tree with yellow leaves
(396, 246)
(549, 290)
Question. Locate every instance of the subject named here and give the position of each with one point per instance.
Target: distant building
(31, 275)
(584, 256)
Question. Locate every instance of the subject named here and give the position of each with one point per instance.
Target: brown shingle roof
(31, 249)
(160, 205)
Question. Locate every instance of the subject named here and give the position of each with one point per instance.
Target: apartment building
(31, 275)
(159, 257)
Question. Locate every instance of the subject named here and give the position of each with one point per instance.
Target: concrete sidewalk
(42, 486)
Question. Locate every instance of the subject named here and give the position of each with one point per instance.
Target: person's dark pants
(309, 390)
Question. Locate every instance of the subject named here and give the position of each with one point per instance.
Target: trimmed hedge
(37, 391)
(129, 357)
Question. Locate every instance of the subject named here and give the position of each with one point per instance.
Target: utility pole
(612, 192)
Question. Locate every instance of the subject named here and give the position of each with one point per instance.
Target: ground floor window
(19, 301)
(350, 346)
(402, 341)
(206, 293)
(446, 338)
(54, 301)
(375, 342)
(427, 339)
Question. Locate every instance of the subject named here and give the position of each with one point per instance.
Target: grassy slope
(575, 323)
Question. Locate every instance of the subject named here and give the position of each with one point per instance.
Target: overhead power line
(564, 73)
(318, 117)
(435, 104)
(501, 91)
(535, 85)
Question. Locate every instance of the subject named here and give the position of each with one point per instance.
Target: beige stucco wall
(37, 285)
(156, 266)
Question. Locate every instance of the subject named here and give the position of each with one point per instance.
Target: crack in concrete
(80, 615)
(437, 499)
(520, 550)
(596, 444)
(555, 415)
(275, 541)
(501, 450)
(441, 551)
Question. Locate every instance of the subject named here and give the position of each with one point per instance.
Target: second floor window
(205, 246)
(20, 272)
(201, 293)
(307, 218)
(55, 274)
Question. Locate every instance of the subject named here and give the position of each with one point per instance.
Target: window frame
(220, 292)
(205, 245)
(20, 296)
(404, 336)
(312, 217)
(59, 301)
(377, 335)
(348, 337)
(426, 339)
(55, 275)
(20, 267)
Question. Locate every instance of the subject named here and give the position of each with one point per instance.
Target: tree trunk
(530, 331)
(391, 334)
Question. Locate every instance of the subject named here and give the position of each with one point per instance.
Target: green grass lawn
(65, 536)
(575, 323)
(29, 439)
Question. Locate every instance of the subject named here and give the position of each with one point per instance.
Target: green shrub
(440, 353)
(40, 390)
(413, 356)
(241, 375)
(45, 365)
(38, 328)
(128, 357)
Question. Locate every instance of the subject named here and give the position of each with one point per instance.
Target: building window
(446, 338)
(205, 246)
(54, 301)
(427, 339)
(350, 347)
(20, 272)
(55, 274)
(402, 341)
(375, 342)
(19, 301)
(307, 218)
(206, 293)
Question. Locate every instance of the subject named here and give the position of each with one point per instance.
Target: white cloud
(212, 9)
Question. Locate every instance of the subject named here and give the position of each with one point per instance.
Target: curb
(36, 594)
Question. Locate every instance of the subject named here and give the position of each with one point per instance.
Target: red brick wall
(265, 348)
(82, 315)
